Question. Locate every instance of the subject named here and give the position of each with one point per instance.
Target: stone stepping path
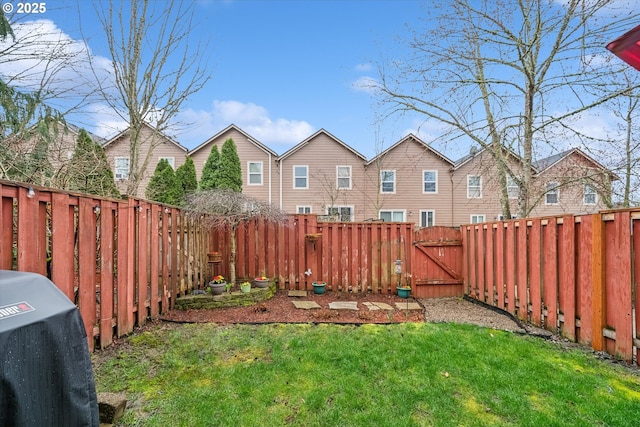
(344, 305)
(297, 293)
(306, 305)
(408, 306)
(374, 306)
(353, 305)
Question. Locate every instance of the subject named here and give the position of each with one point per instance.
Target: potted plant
(217, 285)
(404, 291)
(245, 287)
(319, 287)
(261, 282)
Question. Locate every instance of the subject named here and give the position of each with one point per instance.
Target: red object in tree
(627, 47)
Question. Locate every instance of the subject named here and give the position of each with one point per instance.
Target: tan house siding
(408, 160)
(249, 151)
(572, 173)
(165, 148)
(488, 204)
(321, 154)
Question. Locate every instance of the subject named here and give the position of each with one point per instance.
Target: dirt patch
(280, 309)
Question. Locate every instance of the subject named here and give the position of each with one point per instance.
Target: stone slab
(408, 306)
(373, 306)
(297, 293)
(306, 305)
(344, 305)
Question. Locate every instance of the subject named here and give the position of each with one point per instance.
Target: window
(303, 209)
(300, 177)
(255, 173)
(590, 195)
(512, 188)
(430, 182)
(388, 181)
(427, 218)
(552, 195)
(474, 187)
(122, 167)
(476, 219)
(343, 177)
(344, 213)
(169, 160)
(391, 216)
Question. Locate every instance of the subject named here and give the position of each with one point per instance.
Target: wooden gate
(437, 264)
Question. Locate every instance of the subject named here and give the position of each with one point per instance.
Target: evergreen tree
(229, 175)
(164, 186)
(89, 169)
(209, 171)
(186, 176)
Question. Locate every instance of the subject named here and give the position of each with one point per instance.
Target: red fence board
(618, 278)
(535, 272)
(581, 273)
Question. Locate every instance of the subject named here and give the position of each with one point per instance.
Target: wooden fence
(120, 261)
(575, 275)
(348, 256)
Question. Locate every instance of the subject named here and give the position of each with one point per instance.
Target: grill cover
(46, 378)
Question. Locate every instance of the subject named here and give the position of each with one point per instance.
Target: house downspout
(269, 178)
(452, 198)
(280, 174)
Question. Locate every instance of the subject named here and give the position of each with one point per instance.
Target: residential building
(325, 176)
(572, 181)
(408, 182)
(260, 175)
(119, 155)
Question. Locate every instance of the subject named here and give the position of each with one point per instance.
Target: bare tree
(507, 75)
(621, 148)
(155, 69)
(38, 87)
(226, 209)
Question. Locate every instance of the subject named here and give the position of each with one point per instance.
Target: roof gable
(407, 139)
(229, 128)
(310, 139)
(475, 152)
(153, 129)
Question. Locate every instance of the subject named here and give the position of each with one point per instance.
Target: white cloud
(366, 84)
(43, 56)
(364, 68)
(252, 118)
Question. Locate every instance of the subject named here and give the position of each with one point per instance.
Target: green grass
(372, 375)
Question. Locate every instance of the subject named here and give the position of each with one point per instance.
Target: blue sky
(280, 70)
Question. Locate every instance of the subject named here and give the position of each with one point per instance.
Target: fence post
(598, 281)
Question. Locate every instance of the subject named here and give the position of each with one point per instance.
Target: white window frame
(249, 173)
(382, 182)
(512, 188)
(122, 175)
(593, 193)
(479, 187)
(170, 160)
(435, 181)
(305, 209)
(338, 177)
(306, 177)
(477, 218)
(339, 208)
(393, 212)
(555, 189)
(426, 222)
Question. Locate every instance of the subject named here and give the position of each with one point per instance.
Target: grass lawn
(371, 375)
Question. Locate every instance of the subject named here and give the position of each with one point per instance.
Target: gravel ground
(459, 310)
